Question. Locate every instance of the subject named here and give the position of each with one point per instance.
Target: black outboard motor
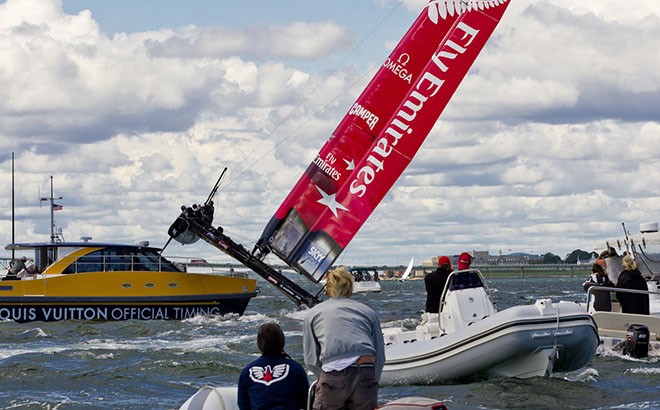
(637, 341)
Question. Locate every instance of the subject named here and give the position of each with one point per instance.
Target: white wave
(643, 370)
(297, 314)
(584, 375)
(227, 319)
(253, 317)
(37, 332)
(11, 351)
(209, 344)
(603, 351)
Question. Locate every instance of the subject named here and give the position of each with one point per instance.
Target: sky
(551, 142)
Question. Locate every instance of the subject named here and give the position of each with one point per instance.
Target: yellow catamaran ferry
(102, 281)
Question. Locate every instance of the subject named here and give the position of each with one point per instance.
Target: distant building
(479, 259)
(482, 258)
(485, 258)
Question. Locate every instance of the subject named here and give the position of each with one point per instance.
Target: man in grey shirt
(344, 348)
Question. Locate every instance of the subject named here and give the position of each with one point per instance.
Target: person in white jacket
(613, 265)
(343, 346)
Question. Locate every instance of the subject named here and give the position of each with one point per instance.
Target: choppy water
(158, 365)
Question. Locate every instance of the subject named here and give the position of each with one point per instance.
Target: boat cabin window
(465, 280)
(121, 259)
(43, 257)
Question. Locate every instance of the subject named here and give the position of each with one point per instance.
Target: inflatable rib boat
(469, 338)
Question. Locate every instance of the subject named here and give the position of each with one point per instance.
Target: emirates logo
(267, 375)
(440, 9)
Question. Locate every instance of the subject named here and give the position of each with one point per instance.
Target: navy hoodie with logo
(273, 382)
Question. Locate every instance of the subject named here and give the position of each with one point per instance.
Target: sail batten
(380, 135)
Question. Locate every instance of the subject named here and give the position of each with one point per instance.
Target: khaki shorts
(354, 388)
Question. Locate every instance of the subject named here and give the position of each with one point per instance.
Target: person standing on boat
(631, 278)
(602, 299)
(273, 381)
(344, 347)
(613, 264)
(435, 284)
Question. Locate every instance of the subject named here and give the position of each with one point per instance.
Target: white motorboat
(366, 280)
(614, 327)
(226, 398)
(470, 339)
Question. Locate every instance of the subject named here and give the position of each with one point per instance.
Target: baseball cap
(443, 260)
(464, 261)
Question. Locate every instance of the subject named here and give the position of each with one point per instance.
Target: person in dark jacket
(598, 278)
(631, 278)
(435, 283)
(274, 381)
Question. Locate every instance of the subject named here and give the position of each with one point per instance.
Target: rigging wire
(233, 176)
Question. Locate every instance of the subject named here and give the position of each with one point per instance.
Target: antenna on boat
(215, 188)
(53, 208)
(13, 232)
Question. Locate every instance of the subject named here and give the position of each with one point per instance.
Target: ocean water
(159, 364)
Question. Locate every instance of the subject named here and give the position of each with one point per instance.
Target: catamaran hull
(517, 342)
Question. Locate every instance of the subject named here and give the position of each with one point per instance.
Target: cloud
(299, 40)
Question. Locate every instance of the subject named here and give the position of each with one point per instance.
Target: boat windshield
(465, 280)
(121, 259)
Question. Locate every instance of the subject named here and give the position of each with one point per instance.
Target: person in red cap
(435, 284)
(464, 261)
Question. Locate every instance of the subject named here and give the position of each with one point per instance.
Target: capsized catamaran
(361, 161)
(379, 136)
(366, 154)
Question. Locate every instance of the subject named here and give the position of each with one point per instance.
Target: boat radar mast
(53, 207)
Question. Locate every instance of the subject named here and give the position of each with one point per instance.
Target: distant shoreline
(529, 271)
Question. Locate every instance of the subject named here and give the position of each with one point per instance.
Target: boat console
(465, 300)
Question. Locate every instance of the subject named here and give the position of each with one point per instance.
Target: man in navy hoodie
(274, 381)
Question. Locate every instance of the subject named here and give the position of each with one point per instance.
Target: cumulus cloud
(300, 40)
(548, 145)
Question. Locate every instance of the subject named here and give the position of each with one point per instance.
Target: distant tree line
(571, 258)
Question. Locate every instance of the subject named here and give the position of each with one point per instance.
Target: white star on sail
(330, 202)
(350, 165)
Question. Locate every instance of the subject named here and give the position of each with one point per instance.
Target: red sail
(379, 136)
